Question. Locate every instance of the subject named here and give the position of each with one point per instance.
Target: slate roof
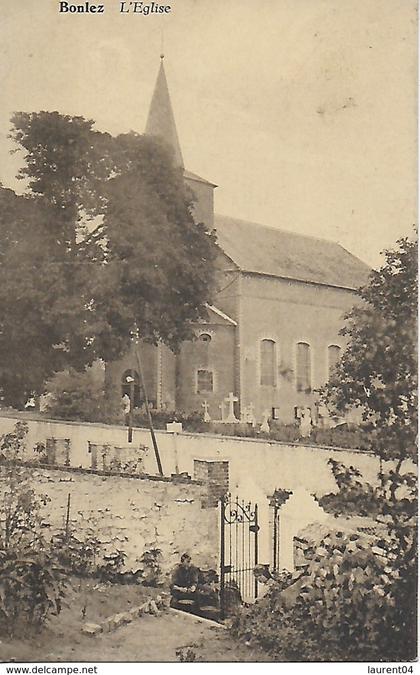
(161, 121)
(266, 250)
(199, 179)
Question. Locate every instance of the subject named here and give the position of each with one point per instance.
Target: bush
(193, 421)
(31, 587)
(31, 580)
(76, 556)
(354, 601)
(151, 571)
(79, 396)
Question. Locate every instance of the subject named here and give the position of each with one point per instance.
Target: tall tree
(70, 290)
(378, 370)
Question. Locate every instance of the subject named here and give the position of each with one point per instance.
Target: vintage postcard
(208, 320)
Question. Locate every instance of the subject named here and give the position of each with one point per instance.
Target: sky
(303, 112)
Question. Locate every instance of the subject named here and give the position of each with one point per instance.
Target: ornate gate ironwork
(238, 549)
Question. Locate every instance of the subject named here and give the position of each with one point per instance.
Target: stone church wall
(287, 312)
(216, 356)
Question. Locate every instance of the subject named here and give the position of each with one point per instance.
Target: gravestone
(265, 427)
(231, 417)
(207, 417)
(305, 425)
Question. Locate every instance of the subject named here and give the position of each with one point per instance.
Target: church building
(272, 334)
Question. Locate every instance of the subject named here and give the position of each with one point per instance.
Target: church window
(205, 337)
(130, 385)
(204, 381)
(268, 363)
(334, 353)
(303, 367)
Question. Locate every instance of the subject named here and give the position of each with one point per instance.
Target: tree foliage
(72, 395)
(378, 370)
(104, 239)
(355, 600)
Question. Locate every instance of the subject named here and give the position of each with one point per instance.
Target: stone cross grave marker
(207, 417)
(230, 400)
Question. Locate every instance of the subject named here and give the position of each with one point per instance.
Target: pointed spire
(161, 121)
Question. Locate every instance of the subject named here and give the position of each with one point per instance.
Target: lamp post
(130, 380)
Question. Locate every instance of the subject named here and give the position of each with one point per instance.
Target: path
(148, 638)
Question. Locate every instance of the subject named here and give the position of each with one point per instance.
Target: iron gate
(238, 550)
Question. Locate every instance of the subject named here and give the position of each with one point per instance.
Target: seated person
(184, 582)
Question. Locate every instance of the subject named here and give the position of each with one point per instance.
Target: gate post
(256, 549)
(222, 558)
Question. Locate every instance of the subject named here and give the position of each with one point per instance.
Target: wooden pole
(68, 516)
(130, 414)
(149, 416)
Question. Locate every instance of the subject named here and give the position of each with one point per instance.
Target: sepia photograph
(208, 334)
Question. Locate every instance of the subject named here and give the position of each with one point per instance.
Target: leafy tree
(159, 261)
(66, 164)
(104, 239)
(378, 370)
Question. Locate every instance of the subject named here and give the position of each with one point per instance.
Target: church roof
(161, 121)
(266, 250)
(196, 177)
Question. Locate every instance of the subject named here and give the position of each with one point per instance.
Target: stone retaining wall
(132, 514)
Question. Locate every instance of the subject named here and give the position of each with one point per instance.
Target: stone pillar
(215, 474)
(300, 510)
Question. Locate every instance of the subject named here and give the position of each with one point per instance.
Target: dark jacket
(184, 577)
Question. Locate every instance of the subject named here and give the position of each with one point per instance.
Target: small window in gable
(204, 382)
(303, 367)
(205, 337)
(268, 363)
(334, 354)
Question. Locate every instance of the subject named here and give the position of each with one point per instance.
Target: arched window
(303, 367)
(334, 354)
(130, 385)
(268, 363)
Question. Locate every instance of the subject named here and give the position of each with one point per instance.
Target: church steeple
(161, 121)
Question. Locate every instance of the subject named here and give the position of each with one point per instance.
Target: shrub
(190, 421)
(31, 586)
(31, 581)
(353, 603)
(76, 556)
(151, 571)
(80, 396)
